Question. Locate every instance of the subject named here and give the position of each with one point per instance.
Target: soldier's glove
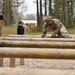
(43, 35)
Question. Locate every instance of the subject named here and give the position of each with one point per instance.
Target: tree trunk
(63, 3)
(45, 7)
(38, 20)
(50, 7)
(7, 11)
(41, 14)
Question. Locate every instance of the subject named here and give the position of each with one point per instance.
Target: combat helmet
(47, 18)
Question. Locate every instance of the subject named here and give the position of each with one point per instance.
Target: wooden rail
(23, 71)
(47, 36)
(44, 53)
(39, 39)
(38, 48)
(37, 44)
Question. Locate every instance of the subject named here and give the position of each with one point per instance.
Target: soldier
(59, 29)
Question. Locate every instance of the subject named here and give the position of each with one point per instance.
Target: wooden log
(23, 71)
(39, 39)
(37, 44)
(47, 36)
(24, 35)
(41, 53)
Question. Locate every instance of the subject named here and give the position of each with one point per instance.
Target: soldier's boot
(54, 36)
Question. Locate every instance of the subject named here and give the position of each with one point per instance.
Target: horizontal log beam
(38, 39)
(36, 36)
(48, 36)
(37, 44)
(23, 71)
(42, 53)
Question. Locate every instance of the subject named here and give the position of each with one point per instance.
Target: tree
(38, 19)
(70, 5)
(41, 14)
(7, 12)
(50, 7)
(19, 7)
(1, 4)
(45, 7)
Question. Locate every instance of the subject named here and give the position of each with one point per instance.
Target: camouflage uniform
(59, 29)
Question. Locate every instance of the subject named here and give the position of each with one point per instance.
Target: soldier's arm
(44, 29)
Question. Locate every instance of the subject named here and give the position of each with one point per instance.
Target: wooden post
(0, 29)
(1, 62)
(12, 62)
(1, 59)
(21, 61)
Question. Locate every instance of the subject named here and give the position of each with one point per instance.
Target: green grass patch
(11, 30)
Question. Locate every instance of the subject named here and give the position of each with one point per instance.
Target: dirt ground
(43, 63)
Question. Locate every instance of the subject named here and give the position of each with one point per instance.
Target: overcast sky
(31, 7)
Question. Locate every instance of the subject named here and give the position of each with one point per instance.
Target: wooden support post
(0, 29)
(1, 62)
(12, 62)
(21, 61)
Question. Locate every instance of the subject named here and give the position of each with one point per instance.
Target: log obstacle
(42, 53)
(47, 36)
(38, 39)
(37, 44)
(23, 71)
(25, 36)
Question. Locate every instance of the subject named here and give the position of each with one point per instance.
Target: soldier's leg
(64, 32)
(59, 35)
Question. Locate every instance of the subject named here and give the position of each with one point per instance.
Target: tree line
(10, 10)
(64, 10)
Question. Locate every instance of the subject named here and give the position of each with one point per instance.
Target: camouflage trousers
(62, 33)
